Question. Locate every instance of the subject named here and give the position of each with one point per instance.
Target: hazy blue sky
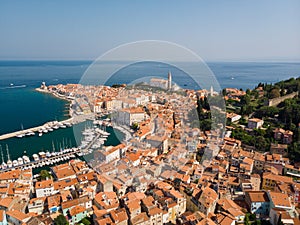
(216, 30)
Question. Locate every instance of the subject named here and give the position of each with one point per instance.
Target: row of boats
(105, 122)
(40, 159)
(93, 138)
(48, 127)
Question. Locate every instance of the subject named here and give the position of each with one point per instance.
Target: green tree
(257, 222)
(224, 92)
(245, 99)
(135, 126)
(252, 217)
(44, 174)
(61, 220)
(275, 93)
(85, 221)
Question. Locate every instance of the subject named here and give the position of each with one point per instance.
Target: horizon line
(208, 61)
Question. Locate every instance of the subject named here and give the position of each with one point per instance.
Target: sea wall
(276, 101)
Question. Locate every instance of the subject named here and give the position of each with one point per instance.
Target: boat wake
(12, 87)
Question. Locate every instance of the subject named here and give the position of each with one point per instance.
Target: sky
(231, 30)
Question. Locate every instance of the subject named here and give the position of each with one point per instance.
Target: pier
(46, 161)
(34, 129)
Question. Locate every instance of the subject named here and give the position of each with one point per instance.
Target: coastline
(70, 118)
(70, 112)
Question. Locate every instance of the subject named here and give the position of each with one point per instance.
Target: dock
(33, 129)
(47, 161)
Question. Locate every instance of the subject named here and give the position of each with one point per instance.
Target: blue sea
(22, 106)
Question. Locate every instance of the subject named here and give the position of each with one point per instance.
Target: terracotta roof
(76, 210)
(155, 211)
(139, 219)
(1, 215)
(44, 184)
(17, 214)
(133, 205)
(278, 178)
(119, 215)
(65, 183)
(63, 171)
(280, 199)
(53, 201)
(12, 174)
(257, 196)
(6, 202)
(74, 202)
(107, 200)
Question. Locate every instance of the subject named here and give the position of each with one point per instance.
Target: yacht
(48, 154)
(4, 165)
(15, 163)
(9, 164)
(61, 125)
(68, 124)
(35, 157)
(20, 135)
(26, 159)
(30, 133)
(20, 161)
(42, 155)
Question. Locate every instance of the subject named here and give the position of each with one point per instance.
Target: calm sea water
(22, 106)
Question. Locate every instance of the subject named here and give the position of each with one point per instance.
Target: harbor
(94, 135)
(40, 160)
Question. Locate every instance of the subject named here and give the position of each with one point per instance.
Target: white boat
(20, 161)
(42, 155)
(50, 129)
(40, 134)
(35, 157)
(9, 164)
(56, 127)
(4, 165)
(30, 133)
(61, 125)
(26, 159)
(20, 135)
(68, 124)
(15, 163)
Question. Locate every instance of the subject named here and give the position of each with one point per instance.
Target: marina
(93, 138)
(40, 160)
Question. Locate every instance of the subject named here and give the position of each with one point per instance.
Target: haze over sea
(22, 106)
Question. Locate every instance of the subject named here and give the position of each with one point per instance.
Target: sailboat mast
(2, 154)
(63, 144)
(7, 151)
(53, 147)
